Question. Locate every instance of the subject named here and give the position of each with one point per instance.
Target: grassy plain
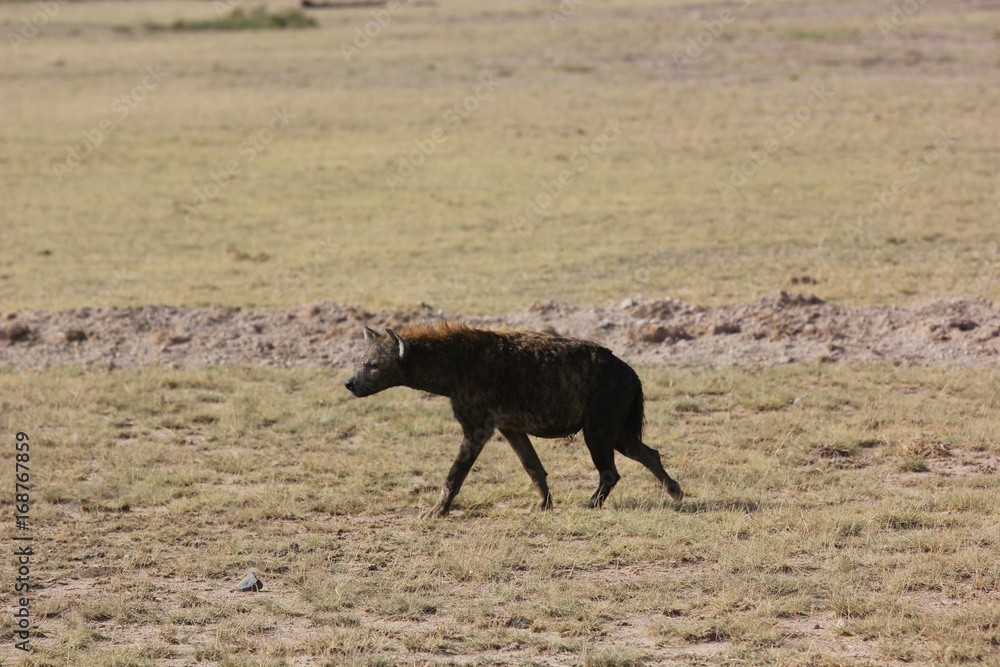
(857, 526)
(645, 215)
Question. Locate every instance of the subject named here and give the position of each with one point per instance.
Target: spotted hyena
(520, 383)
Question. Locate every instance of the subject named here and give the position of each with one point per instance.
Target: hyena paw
(675, 492)
(435, 512)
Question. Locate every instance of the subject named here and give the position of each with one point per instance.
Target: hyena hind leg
(602, 452)
(529, 459)
(650, 458)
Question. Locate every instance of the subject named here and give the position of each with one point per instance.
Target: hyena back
(520, 383)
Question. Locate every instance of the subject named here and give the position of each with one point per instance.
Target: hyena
(521, 383)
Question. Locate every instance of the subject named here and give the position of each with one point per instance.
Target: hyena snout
(358, 387)
(362, 386)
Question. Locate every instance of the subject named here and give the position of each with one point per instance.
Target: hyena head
(382, 365)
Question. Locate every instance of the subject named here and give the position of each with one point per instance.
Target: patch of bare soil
(780, 328)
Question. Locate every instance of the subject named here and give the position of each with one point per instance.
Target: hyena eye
(371, 365)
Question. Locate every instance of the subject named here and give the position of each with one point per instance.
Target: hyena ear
(402, 346)
(370, 334)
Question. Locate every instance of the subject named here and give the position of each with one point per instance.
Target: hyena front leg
(468, 452)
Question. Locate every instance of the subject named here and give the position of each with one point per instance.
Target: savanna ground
(837, 514)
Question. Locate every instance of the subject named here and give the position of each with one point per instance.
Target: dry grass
(159, 489)
(256, 19)
(857, 526)
(645, 216)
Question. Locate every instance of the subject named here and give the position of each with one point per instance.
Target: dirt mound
(779, 328)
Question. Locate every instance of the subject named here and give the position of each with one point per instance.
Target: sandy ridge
(779, 328)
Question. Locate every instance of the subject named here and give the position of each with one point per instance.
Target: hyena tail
(634, 420)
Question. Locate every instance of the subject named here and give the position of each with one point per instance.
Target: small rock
(656, 310)
(725, 328)
(657, 333)
(73, 335)
(15, 332)
(250, 583)
(785, 299)
(311, 312)
(937, 332)
(165, 339)
(543, 307)
(963, 325)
